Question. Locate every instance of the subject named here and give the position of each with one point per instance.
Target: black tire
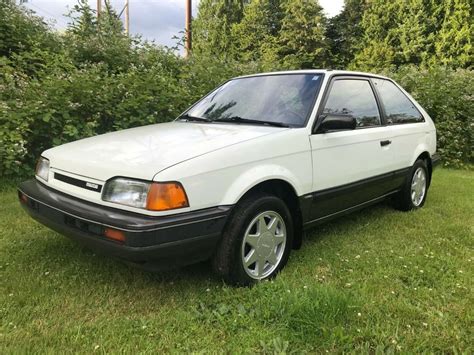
(403, 200)
(227, 261)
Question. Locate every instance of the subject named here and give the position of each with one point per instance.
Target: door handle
(384, 143)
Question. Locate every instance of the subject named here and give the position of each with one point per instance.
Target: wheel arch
(425, 155)
(284, 190)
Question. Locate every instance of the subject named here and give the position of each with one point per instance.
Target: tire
(271, 246)
(413, 198)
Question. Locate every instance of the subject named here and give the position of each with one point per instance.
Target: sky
(157, 20)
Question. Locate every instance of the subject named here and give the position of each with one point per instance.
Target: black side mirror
(336, 122)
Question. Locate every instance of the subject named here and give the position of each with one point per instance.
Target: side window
(353, 97)
(398, 108)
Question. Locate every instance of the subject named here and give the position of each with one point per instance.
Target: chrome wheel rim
(418, 186)
(263, 245)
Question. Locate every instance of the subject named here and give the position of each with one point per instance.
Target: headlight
(42, 168)
(126, 192)
(153, 196)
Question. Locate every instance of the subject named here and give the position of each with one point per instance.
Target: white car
(241, 174)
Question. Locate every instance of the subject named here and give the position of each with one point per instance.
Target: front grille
(77, 182)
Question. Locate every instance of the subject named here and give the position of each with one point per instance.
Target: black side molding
(330, 202)
(435, 160)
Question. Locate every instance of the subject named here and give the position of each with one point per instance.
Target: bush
(66, 105)
(13, 128)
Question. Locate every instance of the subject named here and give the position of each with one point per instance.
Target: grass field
(377, 281)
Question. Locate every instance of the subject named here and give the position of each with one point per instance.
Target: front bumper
(174, 240)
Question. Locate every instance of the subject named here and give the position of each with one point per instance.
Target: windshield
(286, 99)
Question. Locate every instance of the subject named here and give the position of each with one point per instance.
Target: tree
(420, 32)
(411, 38)
(377, 49)
(212, 28)
(258, 30)
(344, 34)
(300, 42)
(453, 46)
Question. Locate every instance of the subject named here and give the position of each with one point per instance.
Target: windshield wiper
(239, 119)
(190, 118)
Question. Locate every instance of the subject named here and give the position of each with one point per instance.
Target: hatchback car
(241, 174)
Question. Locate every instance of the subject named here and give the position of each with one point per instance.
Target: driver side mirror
(336, 122)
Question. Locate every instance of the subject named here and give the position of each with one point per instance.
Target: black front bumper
(178, 239)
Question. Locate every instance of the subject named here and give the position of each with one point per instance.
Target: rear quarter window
(398, 107)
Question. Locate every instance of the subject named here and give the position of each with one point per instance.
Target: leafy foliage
(420, 32)
(56, 88)
(212, 29)
(344, 34)
(454, 45)
(94, 81)
(21, 31)
(300, 41)
(256, 34)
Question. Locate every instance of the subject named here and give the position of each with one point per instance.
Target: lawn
(376, 281)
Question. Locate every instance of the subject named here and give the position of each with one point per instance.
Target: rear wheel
(413, 195)
(256, 242)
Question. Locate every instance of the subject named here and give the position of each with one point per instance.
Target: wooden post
(99, 9)
(127, 18)
(188, 34)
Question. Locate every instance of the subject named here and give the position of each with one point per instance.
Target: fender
(420, 149)
(256, 175)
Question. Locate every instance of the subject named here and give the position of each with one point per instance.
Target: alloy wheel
(263, 245)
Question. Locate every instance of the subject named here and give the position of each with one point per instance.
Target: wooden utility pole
(127, 18)
(188, 34)
(99, 8)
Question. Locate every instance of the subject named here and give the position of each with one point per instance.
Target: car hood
(144, 151)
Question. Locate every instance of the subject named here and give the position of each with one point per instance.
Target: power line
(46, 13)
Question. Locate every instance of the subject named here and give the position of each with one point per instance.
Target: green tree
(256, 33)
(411, 38)
(454, 40)
(344, 34)
(378, 25)
(212, 28)
(300, 43)
(420, 32)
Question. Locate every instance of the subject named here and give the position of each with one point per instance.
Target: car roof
(315, 71)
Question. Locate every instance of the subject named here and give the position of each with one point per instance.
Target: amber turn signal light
(164, 196)
(115, 235)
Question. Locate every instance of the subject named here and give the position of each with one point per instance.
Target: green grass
(376, 281)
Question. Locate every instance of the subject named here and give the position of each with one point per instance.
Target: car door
(407, 126)
(350, 167)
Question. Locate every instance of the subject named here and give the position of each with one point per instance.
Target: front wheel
(256, 242)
